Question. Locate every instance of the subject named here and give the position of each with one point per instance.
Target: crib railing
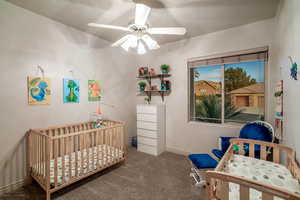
(218, 181)
(81, 147)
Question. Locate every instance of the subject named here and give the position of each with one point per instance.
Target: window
(228, 89)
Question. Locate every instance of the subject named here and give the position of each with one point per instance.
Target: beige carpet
(141, 177)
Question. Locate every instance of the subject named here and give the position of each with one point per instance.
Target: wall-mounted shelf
(151, 93)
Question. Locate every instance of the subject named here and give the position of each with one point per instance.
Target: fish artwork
(39, 92)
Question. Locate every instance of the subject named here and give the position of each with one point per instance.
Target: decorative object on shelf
(293, 69)
(94, 90)
(142, 85)
(147, 100)
(152, 72)
(279, 110)
(143, 71)
(154, 87)
(165, 85)
(39, 90)
(165, 68)
(71, 90)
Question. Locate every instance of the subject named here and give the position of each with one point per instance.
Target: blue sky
(213, 73)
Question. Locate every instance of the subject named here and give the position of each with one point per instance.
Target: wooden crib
(60, 156)
(219, 181)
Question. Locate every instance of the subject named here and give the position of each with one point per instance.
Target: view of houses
(244, 92)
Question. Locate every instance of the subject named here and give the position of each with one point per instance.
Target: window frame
(236, 53)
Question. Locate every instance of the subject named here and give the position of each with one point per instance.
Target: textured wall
(184, 136)
(288, 44)
(28, 40)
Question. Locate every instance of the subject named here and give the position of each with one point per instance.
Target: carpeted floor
(141, 177)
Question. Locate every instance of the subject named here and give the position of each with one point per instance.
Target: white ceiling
(198, 16)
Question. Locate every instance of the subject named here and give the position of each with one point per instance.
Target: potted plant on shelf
(165, 68)
(142, 85)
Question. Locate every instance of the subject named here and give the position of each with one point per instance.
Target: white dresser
(151, 128)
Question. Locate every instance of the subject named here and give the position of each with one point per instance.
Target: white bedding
(107, 154)
(263, 171)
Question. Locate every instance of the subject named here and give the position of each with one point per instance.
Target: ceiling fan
(139, 32)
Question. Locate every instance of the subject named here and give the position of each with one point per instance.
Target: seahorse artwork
(71, 90)
(94, 90)
(39, 92)
(294, 69)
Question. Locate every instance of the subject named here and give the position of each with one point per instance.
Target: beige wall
(183, 136)
(28, 40)
(288, 44)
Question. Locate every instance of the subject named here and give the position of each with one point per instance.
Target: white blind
(262, 56)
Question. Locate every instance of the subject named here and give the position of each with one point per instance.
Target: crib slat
(241, 148)
(76, 138)
(101, 160)
(70, 155)
(266, 196)
(251, 150)
(225, 191)
(93, 149)
(43, 157)
(276, 156)
(244, 192)
(62, 142)
(263, 152)
(55, 161)
(82, 155)
(87, 151)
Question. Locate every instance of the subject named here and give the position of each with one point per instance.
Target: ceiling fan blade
(152, 44)
(141, 14)
(167, 31)
(120, 41)
(109, 26)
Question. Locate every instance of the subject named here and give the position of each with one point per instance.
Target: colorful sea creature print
(39, 91)
(94, 90)
(294, 69)
(71, 90)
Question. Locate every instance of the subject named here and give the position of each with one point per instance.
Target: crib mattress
(263, 171)
(87, 160)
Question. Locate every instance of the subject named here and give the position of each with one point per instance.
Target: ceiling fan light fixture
(141, 48)
(126, 45)
(152, 44)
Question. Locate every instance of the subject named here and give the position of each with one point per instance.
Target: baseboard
(12, 186)
(177, 151)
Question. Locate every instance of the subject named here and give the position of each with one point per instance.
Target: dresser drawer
(147, 125)
(146, 109)
(147, 117)
(147, 133)
(147, 149)
(147, 141)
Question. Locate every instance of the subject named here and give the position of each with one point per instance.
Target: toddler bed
(60, 156)
(241, 174)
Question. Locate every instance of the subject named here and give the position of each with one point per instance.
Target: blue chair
(257, 130)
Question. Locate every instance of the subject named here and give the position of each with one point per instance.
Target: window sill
(225, 125)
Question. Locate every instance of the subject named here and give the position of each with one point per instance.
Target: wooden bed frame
(48, 145)
(218, 180)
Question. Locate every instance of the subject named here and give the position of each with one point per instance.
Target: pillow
(224, 143)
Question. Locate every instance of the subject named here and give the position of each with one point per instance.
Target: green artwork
(71, 90)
